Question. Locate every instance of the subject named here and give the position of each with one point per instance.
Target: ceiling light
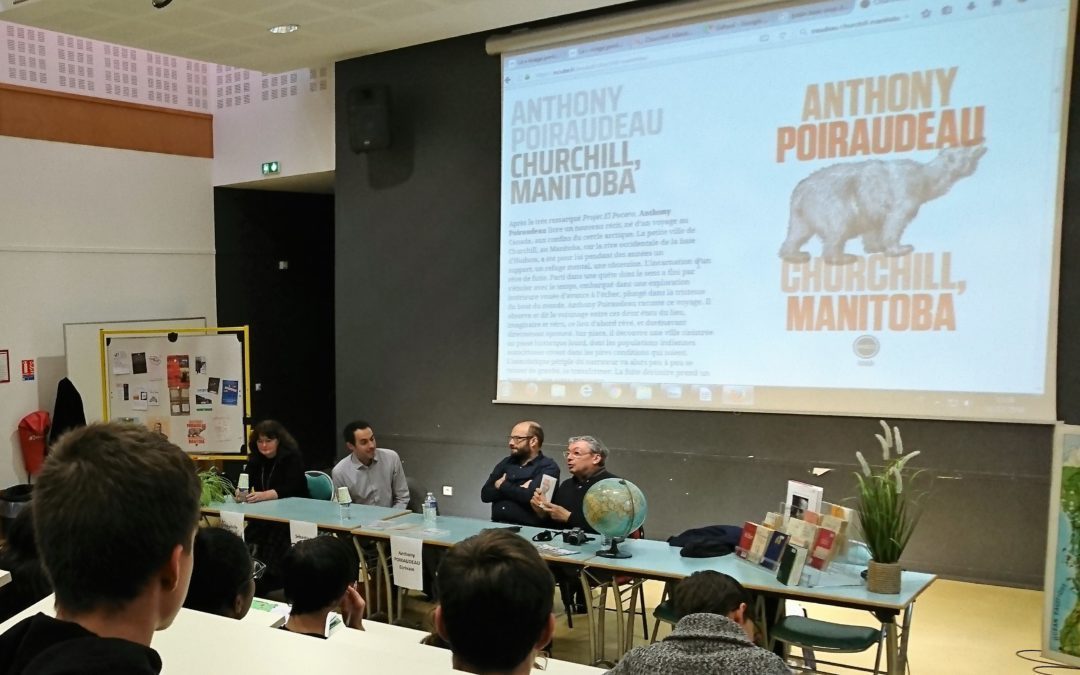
(284, 28)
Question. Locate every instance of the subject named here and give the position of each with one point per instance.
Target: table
(205, 643)
(325, 514)
(449, 530)
(658, 560)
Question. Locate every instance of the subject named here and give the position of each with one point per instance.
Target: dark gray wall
(417, 260)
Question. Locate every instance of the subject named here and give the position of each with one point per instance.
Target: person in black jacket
(19, 556)
(275, 465)
(115, 513)
(512, 483)
(276, 470)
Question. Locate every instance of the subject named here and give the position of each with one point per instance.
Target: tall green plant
(215, 487)
(887, 514)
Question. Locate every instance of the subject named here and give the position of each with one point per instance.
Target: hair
(349, 433)
(19, 540)
(222, 571)
(494, 584)
(538, 431)
(317, 572)
(274, 430)
(595, 446)
(110, 506)
(707, 592)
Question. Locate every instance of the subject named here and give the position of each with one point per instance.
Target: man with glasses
(511, 484)
(586, 458)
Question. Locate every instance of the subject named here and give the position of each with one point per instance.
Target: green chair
(319, 485)
(814, 635)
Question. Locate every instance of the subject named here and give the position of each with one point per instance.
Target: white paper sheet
(408, 556)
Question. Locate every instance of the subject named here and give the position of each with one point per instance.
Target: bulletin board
(189, 384)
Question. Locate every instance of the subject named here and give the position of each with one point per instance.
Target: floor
(957, 628)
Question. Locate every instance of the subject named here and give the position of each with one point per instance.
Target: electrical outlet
(448, 490)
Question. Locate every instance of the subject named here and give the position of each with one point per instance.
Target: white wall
(93, 234)
(291, 122)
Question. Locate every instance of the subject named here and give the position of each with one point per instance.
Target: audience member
(19, 556)
(115, 512)
(713, 635)
(373, 475)
(223, 580)
(320, 578)
(495, 598)
(511, 485)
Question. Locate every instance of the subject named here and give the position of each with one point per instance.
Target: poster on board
(1061, 597)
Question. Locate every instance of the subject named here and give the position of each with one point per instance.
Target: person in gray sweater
(712, 636)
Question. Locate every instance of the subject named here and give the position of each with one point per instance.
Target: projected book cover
(825, 199)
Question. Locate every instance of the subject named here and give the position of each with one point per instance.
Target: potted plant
(215, 486)
(887, 510)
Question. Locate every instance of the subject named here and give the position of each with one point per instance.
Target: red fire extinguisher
(33, 436)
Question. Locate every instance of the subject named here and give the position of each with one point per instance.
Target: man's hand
(498, 483)
(539, 504)
(352, 608)
(558, 513)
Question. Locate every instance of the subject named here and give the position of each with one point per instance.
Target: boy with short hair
(115, 510)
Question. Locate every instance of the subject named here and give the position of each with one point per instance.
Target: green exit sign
(270, 168)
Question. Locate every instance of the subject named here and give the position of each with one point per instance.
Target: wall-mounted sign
(28, 370)
(5, 368)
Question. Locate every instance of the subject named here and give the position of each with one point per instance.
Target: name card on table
(408, 555)
(233, 521)
(300, 530)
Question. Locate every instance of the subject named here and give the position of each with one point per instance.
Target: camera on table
(575, 537)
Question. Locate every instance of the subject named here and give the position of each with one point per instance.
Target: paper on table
(300, 530)
(408, 556)
(233, 521)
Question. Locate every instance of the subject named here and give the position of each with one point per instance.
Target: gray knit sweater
(703, 644)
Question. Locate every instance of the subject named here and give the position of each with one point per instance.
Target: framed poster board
(1061, 596)
(187, 384)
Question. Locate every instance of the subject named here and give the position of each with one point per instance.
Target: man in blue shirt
(512, 483)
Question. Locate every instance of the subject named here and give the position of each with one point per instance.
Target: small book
(773, 520)
(791, 565)
(802, 533)
(749, 529)
(824, 547)
(802, 497)
(774, 549)
(761, 542)
(547, 486)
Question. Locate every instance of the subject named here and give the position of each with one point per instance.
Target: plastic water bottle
(431, 509)
(345, 500)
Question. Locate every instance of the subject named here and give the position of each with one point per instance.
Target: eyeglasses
(258, 569)
(518, 439)
(567, 453)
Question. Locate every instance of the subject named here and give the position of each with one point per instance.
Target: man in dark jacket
(512, 483)
(115, 512)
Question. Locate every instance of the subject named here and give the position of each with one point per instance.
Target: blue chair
(319, 485)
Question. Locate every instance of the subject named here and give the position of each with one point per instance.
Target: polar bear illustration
(874, 199)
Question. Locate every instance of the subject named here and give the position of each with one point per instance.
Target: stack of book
(807, 530)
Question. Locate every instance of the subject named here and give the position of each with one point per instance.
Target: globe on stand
(615, 507)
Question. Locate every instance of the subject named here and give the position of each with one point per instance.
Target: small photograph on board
(153, 366)
(153, 397)
(214, 385)
(158, 424)
(200, 365)
(138, 363)
(203, 402)
(181, 400)
(230, 392)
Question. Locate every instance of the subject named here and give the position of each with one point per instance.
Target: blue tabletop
(449, 530)
(325, 514)
(657, 559)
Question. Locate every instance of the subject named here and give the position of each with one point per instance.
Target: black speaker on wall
(368, 111)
